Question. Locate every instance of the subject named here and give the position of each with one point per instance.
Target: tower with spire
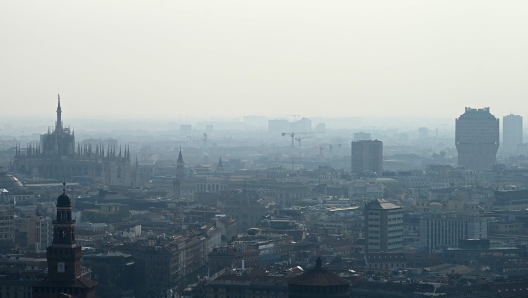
(220, 166)
(180, 168)
(60, 141)
(64, 258)
(58, 124)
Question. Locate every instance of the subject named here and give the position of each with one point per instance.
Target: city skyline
(275, 149)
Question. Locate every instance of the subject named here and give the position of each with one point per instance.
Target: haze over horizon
(203, 59)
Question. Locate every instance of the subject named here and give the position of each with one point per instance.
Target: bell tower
(180, 167)
(64, 258)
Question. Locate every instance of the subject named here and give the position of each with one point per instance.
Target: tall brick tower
(64, 258)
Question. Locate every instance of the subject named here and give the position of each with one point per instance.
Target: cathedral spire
(180, 157)
(58, 125)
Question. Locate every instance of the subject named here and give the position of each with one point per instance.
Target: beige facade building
(383, 227)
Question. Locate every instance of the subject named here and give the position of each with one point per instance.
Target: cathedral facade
(58, 157)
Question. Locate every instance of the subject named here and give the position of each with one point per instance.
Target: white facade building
(512, 132)
(443, 230)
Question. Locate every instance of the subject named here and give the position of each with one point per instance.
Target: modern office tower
(512, 132)
(438, 231)
(383, 227)
(303, 125)
(477, 139)
(362, 136)
(367, 156)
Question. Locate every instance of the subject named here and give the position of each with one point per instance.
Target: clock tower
(64, 258)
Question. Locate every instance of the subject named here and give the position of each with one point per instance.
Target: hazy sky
(176, 59)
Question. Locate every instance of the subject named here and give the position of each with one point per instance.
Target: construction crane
(294, 117)
(299, 141)
(330, 146)
(299, 138)
(441, 124)
(292, 135)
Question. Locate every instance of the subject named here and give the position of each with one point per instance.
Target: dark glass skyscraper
(367, 156)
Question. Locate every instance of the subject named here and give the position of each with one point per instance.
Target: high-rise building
(477, 139)
(438, 231)
(383, 227)
(303, 125)
(7, 227)
(367, 156)
(512, 132)
(64, 259)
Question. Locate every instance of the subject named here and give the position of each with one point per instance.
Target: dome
(63, 200)
(8, 181)
(318, 277)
